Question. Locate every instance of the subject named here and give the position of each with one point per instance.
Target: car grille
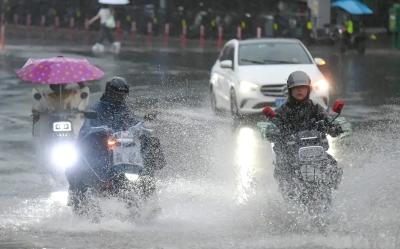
(275, 90)
(264, 104)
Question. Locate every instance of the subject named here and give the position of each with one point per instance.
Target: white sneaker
(98, 48)
(116, 47)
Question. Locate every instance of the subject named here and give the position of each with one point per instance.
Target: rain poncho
(114, 117)
(292, 117)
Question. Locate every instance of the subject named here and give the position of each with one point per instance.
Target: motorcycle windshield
(96, 153)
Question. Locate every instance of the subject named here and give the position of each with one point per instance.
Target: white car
(251, 74)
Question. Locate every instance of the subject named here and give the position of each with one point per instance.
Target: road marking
(16, 120)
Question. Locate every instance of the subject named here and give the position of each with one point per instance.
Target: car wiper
(281, 62)
(254, 62)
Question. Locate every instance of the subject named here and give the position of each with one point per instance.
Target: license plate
(311, 153)
(279, 102)
(128, 155)
(311, 173)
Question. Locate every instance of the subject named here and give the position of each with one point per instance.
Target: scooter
(115, 165)
(311, 170)
(343, 40)
(57, 145)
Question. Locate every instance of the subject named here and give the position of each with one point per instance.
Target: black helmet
(116, 90)
(298, 78)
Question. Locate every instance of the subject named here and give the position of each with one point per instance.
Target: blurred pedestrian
(107, 25)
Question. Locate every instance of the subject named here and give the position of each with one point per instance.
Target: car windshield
(272, 53)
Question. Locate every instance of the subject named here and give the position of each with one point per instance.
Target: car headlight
(132, 177)
(64, 155)
(214, 78)
(248, 86)
(320, 85)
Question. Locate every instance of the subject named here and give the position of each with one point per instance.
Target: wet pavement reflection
(372, 79)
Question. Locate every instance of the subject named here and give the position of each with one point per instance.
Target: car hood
(276, 74)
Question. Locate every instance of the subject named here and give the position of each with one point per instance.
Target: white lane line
(16, 120)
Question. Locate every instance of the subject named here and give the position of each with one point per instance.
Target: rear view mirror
(90, 115)
(268, 112)
(226, 64)
(37, 96)
(84, 95)
(338, 106)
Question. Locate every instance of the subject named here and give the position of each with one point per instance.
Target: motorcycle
(57, 149)
(115, 165)
(343, 41)
(310, 169)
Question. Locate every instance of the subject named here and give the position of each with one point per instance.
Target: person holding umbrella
(69, 98)
(57, 72)
(107, 25)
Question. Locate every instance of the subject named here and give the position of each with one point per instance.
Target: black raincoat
(292, 117)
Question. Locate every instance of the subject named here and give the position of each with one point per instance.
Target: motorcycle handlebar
(320, 126)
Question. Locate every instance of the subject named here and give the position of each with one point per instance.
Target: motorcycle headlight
(64, 155)
(246, 86)
(320, 85)
(132, 177)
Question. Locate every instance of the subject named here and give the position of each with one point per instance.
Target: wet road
(218, 189)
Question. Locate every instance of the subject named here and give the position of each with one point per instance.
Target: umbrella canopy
(114, 2)
(353, 7)
(59, 70)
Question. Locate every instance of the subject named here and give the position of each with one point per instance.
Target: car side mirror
(226, 64)
(84, 95)
(320, 62)
(90, 115)
(37, 96)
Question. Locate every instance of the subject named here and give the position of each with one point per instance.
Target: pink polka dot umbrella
(59, 70)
